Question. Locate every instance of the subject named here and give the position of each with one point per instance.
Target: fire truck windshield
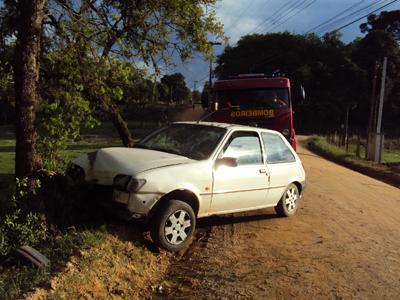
(273, 98)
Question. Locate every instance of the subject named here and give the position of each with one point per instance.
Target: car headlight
(76, 172)
(127, 183)
(135, 184)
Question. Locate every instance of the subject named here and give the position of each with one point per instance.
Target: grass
(17, 279)
(62, 247)
(388, 171)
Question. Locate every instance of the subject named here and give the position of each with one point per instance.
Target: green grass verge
(14, 280)
(389, 171)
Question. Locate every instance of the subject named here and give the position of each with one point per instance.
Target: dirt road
(344, 243)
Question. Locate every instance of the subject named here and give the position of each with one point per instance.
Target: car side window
(245, 146)
(276, 149)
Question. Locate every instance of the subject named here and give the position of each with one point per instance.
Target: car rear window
(277, 151)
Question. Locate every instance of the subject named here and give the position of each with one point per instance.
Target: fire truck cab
(255, 100)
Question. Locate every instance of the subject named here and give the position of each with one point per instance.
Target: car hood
(103, 165)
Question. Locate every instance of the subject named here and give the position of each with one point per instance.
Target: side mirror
(298, 94)
(215, 106)
(226, 161)
(302, 94)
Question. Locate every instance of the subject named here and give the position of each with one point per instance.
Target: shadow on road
(235, 219)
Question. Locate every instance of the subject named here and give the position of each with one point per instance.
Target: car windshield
(190, 140)
(254, 98)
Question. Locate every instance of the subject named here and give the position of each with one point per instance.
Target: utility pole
(372, 120)
(194, 89)
(381, 96)
(211, 61)
(377, 138)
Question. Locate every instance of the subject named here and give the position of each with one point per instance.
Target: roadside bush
(19, 225)
(43, 207)
(55, 216)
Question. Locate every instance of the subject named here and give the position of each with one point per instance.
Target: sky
(241, 17)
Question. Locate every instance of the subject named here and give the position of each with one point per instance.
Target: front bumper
(117, 209)
(137, 205)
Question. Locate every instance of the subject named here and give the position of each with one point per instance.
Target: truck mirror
(215, 106)
(298, 94)
(302, 94)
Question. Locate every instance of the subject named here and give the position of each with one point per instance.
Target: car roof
(227, 126)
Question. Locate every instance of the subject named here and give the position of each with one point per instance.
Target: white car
(190, 170)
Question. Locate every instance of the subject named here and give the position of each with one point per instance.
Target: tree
(7, 104)
(321, 65)
(26, 77)
(196, 97)
(101, 37)
(379, 42)
(146, 31)
(388, 21)
(177, 89)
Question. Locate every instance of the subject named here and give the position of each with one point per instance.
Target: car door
(244, 186)
(281, 165)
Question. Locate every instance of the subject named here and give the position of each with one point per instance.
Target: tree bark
(26, 78)
(118, 122)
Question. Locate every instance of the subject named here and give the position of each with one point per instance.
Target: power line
(289, 10)
(275, 14)
(352, 22)
(235, 24)
(335, 16)
(336, 22)
(293, 15)
(279, 14)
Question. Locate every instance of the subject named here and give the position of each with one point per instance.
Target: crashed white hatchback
(190, 170)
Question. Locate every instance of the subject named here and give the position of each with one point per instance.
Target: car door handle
(262, 171)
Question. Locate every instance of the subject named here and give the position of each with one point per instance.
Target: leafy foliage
(177, 91)
(335, 75)
(65, 108)
(20, 226)
(388, 21)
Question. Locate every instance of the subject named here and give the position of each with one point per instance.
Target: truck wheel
(289, 202)
(173, 225)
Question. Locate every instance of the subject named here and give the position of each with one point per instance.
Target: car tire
(289, 202)
(173, 225)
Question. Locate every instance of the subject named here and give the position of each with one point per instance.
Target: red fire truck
(255, 100)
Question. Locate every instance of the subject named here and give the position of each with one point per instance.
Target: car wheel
(173, 225)
(289, 202)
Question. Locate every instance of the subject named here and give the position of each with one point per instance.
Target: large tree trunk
(26, 77)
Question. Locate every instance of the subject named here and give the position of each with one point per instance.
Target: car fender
(193, 177)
